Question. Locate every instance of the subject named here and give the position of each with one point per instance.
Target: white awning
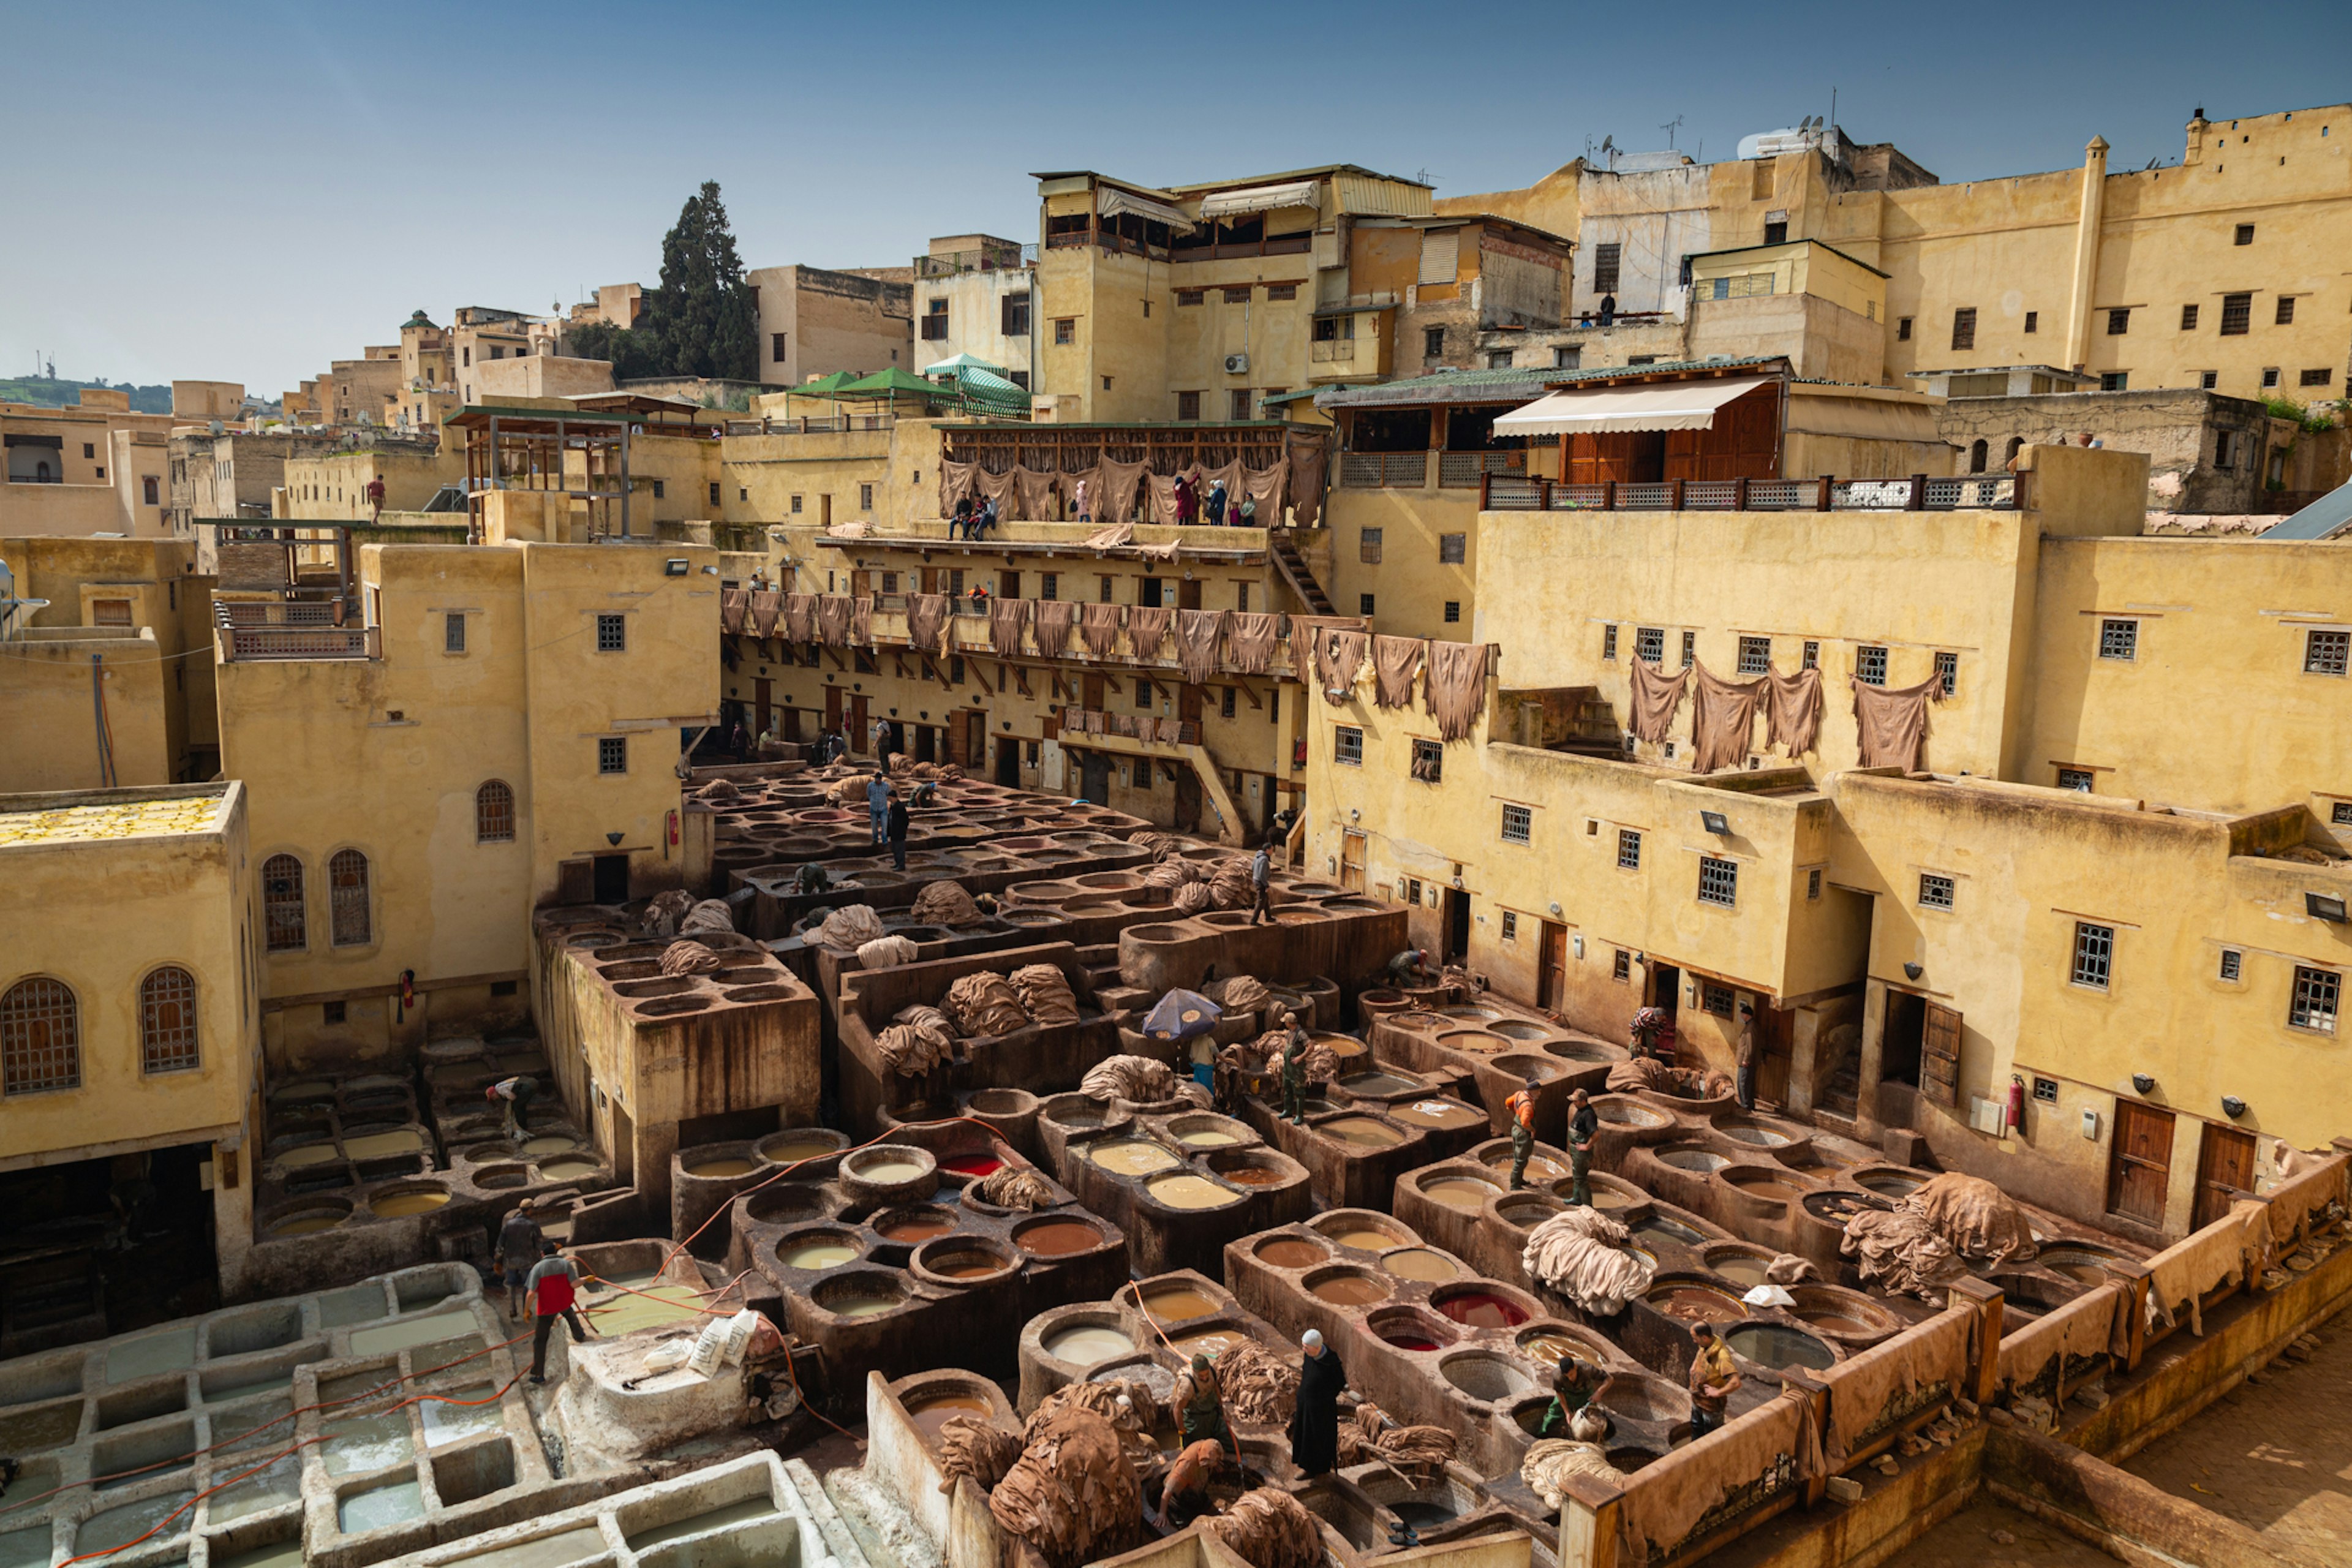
(1261, 199)
(1110, 201)
(1674, 406)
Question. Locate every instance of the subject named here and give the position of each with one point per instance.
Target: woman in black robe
(1314, 1425)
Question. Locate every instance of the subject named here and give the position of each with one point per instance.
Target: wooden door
(858, 725)
(1551, 966)
(2140, 1165)
(1188, 594)
(1939, 1057)
(1008, 762)
(1351, 860)
(861, 585)
(791, 723)
(1776, 1049)
(1188, 706)
(1188, 795)
(1090, 694)
(833, 708)
(1008, 585)
(2225, 1172)
(762, 697)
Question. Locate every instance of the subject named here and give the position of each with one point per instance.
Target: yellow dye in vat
(733, 1165)
(860, 1306)
(1189, 1191)
(799, 1149)
(567, 1170)
(375, 1145)
(1365, 1241)
(1177, 1303)
(393, 1206)
(1463, 1194)
(552, 1144)
(611, 1311)
(1419, 1263)
(1540, 1167)
(1210, 1342)
(307, 1224)
(303, 1154)
(1090, 1345)
(820, 1255)
(1209, 1138)
(1131, 1156)
(883, 1172)
(409, 1332)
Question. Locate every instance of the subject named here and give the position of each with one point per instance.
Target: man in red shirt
(554, 1286)
(376, 500)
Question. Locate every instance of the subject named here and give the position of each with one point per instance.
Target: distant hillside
(52, 392)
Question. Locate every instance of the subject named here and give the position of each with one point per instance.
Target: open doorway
(1455, 947)
(611, 879)
(1008, 763)
(1906, 1034)
(1094, 778)
(1666, 997)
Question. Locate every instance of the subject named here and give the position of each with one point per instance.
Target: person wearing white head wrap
(1315, 1424)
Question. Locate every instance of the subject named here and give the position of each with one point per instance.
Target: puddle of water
(445, 1424)
(279, 1484)
(411, 1332)
(373, 1510)
(733, 1513)
(546, 1551)
(122, 1526)
(174, 1350)
(368, 1443)
(359, 1304)
(283, 1554)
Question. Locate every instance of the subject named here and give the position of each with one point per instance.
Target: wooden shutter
(1441, 254)
(1939, 1057)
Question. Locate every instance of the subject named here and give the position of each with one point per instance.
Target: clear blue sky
(244, 191)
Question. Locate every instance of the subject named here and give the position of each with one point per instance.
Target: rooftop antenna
(1669, 128)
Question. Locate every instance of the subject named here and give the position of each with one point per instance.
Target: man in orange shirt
(1521, 1109)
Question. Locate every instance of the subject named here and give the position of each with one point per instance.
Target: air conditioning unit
(1237, 365)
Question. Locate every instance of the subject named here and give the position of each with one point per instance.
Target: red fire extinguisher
(673, 829)
(407, 994)
(2017, 1103)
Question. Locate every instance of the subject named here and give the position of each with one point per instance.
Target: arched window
(1977, 458)
(347, 893)
(282, 905)
(494, 813)
(167, 1021)
(2016, 444)
(40, 1036)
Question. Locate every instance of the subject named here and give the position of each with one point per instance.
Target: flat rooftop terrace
(89, 816)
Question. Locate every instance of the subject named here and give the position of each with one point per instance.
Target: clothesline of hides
(1126, 492)
(1890, 723)
(1452, 674)
(1136, 726)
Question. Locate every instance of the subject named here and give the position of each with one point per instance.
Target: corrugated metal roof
(2323, 518)
(1372, 194)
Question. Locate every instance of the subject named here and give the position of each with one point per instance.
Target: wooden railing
(1920, 492)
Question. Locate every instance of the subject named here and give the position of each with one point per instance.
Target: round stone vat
(1057, 1236)
(1888, 1181)
(1291, 1251)
(1623, 1110)
(1644, 1398)
(1695, 1298)
(1848, 1316)
(818, 1248)
(1364, 1231)
(786, 1203)
(1482, 1304)
(1413, 1328)
(1487, 1376)
(1776, 1347)
(1741, 1263)
(890, 1174)
(961, 1261)
(1525, 1210)
(304, 1216)
(1347, 1284)
(1692, 1157)
(814, 1152)
(407, 1198)
(859, 1292)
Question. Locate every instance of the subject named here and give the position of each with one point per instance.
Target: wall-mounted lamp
(710, 570)
(2142, 1082)
(1580, 946)
(1911, 972)
(676, 567)
(2323, 907)
(613, 839)
(1716, 822)
(1330, 862)
(1641, 958)
(2233, 1106)
(894, 712)
(1555, 908)
(1355, 814)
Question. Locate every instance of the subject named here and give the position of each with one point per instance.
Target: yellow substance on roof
(114, 819)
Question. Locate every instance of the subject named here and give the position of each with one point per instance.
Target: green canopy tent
(891, 385)
(961, 363)
(985, 391)
(824, 386)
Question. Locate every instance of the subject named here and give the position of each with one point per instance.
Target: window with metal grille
(2074, 779)
(40, 1037)
(1428, 761)
(1190, 296)
(1278, 291)
(1715, 998)
(2032, 322)
(1718, 881)
(1964, 327)
(2315, 378)
(2095, 954)
(2119, 640)
(1510, 925)
(2207, 380)
(1239, 402)
(611, 634)
(865, 498)
(2119, 321)
(1226, 704)
(1621, 967)
(1902, 328)
(1367, 546)
(167, 1021)
(1812, 655)
(1106, 587)
(1690, 648)
(1755, 656)
(660, 489)
(1649, 643)
(1609, 640)
(1066, 332)
(453, 632)
(1241, 595)
(351, 921)
(284, 927)
(2245, 235)
(494, 812)
(1934, 891)
(1239, 295)
(1450, 547)
(1364, 604)
(1869, 664)
(2340, 814)
(2315, 999)
(612, 754)
(1453, 611)
(1518, 824)
(1948, 674)
(1188, 406)
(1813, 883)
(2237, 314)
(1605, 264)
(1143, 695)
(2285, 311)
(2188, 317)
(2234, 964)
(1049, 586)
(1347, 745)
(2326, 653)
(1628, 849)
(2269, 378)
(1433, 342)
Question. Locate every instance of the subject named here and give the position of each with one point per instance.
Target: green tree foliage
(634, 354)
(703, 317)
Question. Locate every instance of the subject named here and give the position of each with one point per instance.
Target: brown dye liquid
(1419, 1263)
(1059, 1239)
(1695, 1306)
(915, 1228)
(1253, 1176)
(1740, 1268)
(1290, 1252)
(1463, 1194)
(931, 1414)
(1836, 1323)
(1439, 1113)
(973, 1267)
(1540, 1167)
(1210, 1342)
(1350, 1291)
(712, 1169)
(1362, 1132)
(1176, 1303)
(1366, 1240)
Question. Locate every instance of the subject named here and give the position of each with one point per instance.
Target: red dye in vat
(1479, 1310)
(972, 1164)
(1406, 1340)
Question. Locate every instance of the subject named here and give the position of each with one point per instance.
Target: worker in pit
(1198, 1399)
(1184, 1496)
(1521, 1109)
(1294, 1076)
(514, 1094)
(1573, 1384)
(1714, 1379)
(1583, 1127)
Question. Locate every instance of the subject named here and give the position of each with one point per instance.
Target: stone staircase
(1296, 572)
